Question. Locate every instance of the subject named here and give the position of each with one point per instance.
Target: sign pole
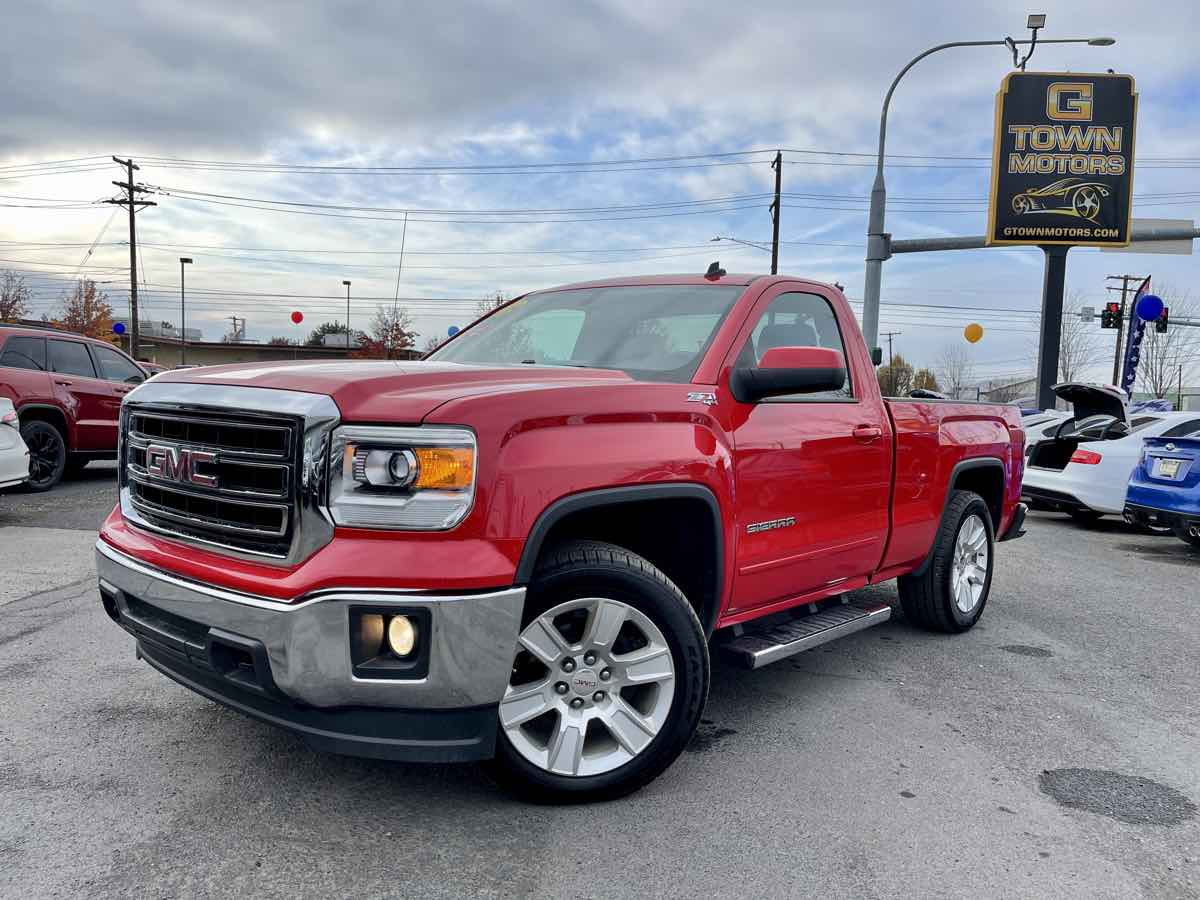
(1053, 285)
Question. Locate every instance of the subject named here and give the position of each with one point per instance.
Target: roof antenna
(715, 270)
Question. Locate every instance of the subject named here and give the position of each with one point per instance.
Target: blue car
(1164, 488)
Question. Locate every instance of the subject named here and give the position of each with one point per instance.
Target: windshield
(651, 332)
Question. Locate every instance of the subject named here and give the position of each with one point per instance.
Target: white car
(14, 455)
(1080, 462)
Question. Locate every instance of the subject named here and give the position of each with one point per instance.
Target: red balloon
(297, 317)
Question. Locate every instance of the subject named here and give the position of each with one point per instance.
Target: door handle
(63, 382)
(867, 432)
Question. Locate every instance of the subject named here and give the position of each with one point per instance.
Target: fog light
(402, 635)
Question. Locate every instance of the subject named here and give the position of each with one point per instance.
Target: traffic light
(1160, 324)
(1111, 316)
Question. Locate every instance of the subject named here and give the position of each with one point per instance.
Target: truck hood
(393, 391)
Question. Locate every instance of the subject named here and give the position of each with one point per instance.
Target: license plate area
(1167, 468)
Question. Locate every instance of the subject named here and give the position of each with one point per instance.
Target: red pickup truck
(525, 548)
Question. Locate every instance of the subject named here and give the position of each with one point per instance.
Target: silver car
(14, 455)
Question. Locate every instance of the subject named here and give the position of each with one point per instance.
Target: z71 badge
(756, 527)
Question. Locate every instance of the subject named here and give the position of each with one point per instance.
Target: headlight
(419, 479)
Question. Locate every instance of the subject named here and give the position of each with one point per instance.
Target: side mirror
(789, 370)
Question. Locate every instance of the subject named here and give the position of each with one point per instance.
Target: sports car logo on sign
(1066, 197)
(179, 464)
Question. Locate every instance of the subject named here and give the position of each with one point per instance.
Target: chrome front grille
(240, 469)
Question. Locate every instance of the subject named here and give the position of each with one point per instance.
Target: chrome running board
(761, 646)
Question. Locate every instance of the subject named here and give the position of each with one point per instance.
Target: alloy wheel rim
(1087, 203)
(43, 456)
(969, 568)
(593, 683)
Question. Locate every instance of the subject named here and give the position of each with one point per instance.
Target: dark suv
(67, 389)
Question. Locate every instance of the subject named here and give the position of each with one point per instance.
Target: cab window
(70, 358)
(797, 320)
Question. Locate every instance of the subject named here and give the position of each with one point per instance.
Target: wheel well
(680, 535)
(985, 477)
(50, 415)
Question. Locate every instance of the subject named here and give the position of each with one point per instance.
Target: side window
(115, 367)
(24, 353)
(1184, 429)
(70, 358)
(797, 320)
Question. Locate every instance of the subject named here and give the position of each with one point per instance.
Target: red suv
(67, 389)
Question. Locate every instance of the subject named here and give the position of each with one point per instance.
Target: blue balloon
(452, 331)
(1150, 307)
(118, 328)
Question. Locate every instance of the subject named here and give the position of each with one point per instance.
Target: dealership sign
(1062, 160)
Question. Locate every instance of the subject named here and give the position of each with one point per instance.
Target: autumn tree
(896, 378)
(955, 370)
(85, 310)
(391, 333)
(14, 297)
(925, 380)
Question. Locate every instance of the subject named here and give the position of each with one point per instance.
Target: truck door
(812, 472)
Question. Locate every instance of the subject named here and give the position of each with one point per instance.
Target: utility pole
(183, 260)
(778, 167)
(238, 332)
(347, 284)
(891, 368)
(131, 201)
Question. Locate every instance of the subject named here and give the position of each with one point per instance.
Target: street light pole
(183, 260)
(877, 239)
(347, 284)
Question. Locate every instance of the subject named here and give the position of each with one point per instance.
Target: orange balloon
(973, 332)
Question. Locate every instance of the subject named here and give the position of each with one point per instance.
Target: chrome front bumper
(473, 636)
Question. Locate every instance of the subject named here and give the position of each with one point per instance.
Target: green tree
(896, 378)
(924, 379)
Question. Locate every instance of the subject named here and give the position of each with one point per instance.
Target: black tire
(579, 569)
(1181, 532)
(928, 598)
(47, 455)
(1085, 516)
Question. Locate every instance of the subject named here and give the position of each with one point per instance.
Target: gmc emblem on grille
(179, 464)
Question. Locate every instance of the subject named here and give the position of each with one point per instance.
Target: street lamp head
(1101, 41)
(346, 283)
(717, 238)
(1036, 20)
(185, 259)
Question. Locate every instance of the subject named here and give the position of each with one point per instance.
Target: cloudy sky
(507, 131)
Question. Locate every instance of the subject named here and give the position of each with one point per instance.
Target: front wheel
(949, 595)
(608, 682)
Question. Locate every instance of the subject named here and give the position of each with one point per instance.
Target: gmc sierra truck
(524, 548)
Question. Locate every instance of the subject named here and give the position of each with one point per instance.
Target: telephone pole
(891, 368)
(777, 165)
(130, 200)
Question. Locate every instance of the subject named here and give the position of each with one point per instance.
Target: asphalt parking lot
(1052, 751)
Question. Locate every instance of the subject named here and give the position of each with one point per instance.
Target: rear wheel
(608, 682)
(1183, 532)
(47, 455)
(950, 594)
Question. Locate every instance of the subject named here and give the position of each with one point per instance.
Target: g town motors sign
(1062, 160)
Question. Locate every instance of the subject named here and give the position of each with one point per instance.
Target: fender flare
(966, 465)
(615, 496)
(49, 407)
